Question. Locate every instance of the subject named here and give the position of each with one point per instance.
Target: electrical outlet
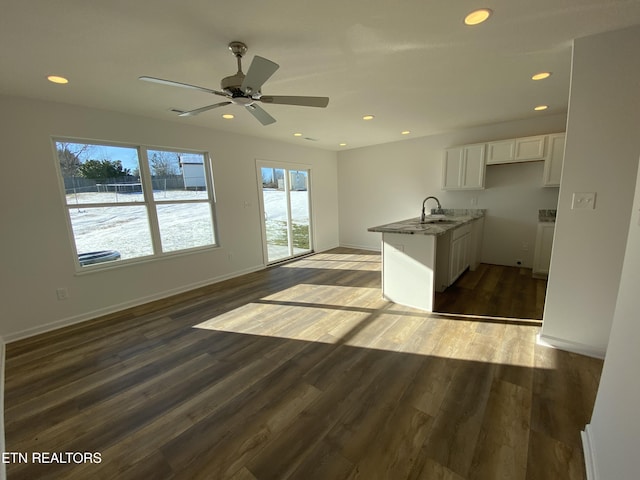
(525, 246)
(584, 200)
(62, 293)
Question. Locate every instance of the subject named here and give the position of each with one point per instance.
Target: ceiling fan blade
(259, 72)
(191, 113)
(179, 84)
(301, 101)
(263, 117)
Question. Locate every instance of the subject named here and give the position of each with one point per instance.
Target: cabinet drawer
(461, 231)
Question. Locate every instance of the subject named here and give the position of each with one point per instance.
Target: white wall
(385, 183)
(36, 254)
(601, 155)
(615, 424)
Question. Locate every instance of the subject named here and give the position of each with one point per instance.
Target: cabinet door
(553, 162)
(459, 257)
(502, 151)
(451, 168)
(454, 260)
(530, 148)
(473, 167)
(542, 254)
(466, 253)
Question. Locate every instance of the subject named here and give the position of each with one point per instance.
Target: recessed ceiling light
(297, 134)
(477, 16)
(541, 76)
(368, 117)
(228, 116)
(342, 144)
(405, 132)
(541, 107)
(57, 79)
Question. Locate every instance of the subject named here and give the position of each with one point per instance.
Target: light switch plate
(585, 200)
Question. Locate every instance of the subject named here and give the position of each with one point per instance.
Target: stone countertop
(454, 218)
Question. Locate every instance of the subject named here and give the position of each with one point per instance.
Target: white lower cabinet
(460, 252)
(542, 254)
(408, 265)
(457, 250)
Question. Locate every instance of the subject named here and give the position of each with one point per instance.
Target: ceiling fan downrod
(238, 49)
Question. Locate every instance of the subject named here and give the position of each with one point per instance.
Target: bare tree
(69, 156)
(164, 164)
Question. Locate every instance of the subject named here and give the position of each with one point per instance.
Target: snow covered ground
(182, 225)
(275, 206)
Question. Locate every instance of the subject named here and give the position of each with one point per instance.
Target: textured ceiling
(411, 63)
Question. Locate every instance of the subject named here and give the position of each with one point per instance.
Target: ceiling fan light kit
(245, 90)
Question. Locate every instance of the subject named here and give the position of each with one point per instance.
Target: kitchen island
(422, 257)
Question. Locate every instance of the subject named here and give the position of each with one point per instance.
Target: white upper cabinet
(526, 149)
(502, 151)
(530, 148)
(553, 162)
(463, 168)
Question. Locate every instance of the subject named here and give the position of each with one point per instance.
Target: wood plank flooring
(303, 371)
(493, 290)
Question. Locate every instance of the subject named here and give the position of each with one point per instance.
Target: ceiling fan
(245, 90)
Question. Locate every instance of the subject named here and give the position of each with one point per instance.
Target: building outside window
(126, 203)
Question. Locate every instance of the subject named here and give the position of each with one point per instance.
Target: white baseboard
(360, 247)
(570, 346)
(65, 322)
(589, 454)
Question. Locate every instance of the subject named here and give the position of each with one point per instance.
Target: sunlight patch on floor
(360, 317)
(339, 261)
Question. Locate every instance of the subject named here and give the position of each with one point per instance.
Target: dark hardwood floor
(495, 291)
(303, 371)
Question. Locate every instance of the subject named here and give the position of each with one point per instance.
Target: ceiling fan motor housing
(232, 84)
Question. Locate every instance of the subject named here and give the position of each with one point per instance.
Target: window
(133, 202)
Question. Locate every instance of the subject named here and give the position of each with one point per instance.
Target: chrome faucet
(423, 216)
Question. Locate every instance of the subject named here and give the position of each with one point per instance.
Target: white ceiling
(411, 63)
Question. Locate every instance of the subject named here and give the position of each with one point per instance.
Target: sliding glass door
(286, 211)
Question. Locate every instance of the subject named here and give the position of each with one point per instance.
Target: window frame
(149, 203)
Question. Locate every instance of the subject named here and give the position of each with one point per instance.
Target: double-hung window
(132, 202)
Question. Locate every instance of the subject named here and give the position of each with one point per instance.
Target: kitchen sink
(439, 220)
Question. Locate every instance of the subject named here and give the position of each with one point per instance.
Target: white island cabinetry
(419, 259)
(408, 266)
(460, 252)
